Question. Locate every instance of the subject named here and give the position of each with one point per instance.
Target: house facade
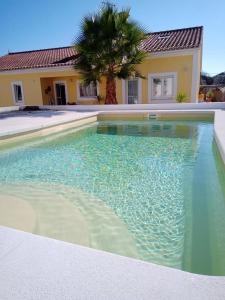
(45, 77)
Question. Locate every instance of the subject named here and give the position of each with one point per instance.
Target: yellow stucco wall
(199, 69)
(6, 98)
(182, 65)
(47, 95)
(31, 89)
(35, 84)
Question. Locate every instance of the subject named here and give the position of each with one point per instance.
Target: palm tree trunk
(110, 91)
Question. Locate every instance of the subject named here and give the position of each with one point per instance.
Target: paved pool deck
(39, 268)
(18, 122)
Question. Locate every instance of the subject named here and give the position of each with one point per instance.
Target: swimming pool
(153, 190)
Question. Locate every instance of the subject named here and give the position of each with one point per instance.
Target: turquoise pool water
(152, 190)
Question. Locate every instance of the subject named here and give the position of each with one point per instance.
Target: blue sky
(27, 25)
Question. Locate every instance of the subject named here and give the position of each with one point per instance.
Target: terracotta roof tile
(173, 39)
(157, 41)
(38, 58)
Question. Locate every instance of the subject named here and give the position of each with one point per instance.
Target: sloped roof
(157, 41)
(177, 39)
(52, 57)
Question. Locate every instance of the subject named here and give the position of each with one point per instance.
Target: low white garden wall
(162, 106)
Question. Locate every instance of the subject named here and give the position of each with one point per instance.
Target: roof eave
(37, 69)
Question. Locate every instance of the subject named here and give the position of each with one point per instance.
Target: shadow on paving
(37, 113)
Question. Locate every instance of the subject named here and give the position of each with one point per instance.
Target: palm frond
(108, 44)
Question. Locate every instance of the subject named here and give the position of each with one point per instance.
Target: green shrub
(210, 94)
(181, 97)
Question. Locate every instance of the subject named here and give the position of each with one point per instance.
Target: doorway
(132, 91)
(60, 93)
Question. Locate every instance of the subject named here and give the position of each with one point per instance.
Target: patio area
(35, 267)
(17, 122)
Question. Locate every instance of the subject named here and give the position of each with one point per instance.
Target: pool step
(67, 214)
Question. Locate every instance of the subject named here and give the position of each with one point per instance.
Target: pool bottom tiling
(153, 190)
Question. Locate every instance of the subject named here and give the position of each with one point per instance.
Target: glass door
(60, 90)
(132, 91)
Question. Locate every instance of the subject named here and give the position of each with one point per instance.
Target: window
(17, 91)
(163, 86)
(88, 91)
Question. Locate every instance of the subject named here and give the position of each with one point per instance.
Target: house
(46, 76)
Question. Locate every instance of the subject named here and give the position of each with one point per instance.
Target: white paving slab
(35, 267)
(17, 122)
(8, 109)
(219, 132)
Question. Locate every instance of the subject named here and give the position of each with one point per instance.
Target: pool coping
(219, 132)
(149, 106)
(36, 267)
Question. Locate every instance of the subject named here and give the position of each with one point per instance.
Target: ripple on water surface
(139, 170)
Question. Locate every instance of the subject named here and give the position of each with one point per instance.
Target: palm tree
(108, 46)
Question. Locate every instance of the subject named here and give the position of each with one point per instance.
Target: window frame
(85, 98)
(13, 92)
(152, 76)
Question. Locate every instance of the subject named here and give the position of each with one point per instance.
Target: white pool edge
(219, 132)
(140, 107)
(36, 267)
